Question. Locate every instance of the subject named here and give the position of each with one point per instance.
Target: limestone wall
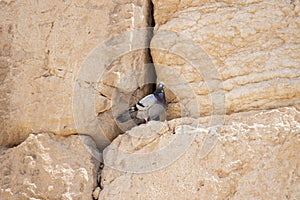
(255, 157)
(231, 71)
(44, 45)
(246, 51)
(47, 166)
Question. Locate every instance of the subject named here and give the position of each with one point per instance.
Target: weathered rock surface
(43, 47)
(65, 68)
(243, 55)
(46, 166)
(256, 156)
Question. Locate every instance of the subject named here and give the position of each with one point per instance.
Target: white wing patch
(146, 102)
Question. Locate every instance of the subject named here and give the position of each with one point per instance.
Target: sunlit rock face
(227, 56)
(254, 155)
(231, 74)
(45, 51)
(47, 166)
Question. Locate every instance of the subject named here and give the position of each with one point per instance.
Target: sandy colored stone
(45, 45)
(256, 156)
(247, 51)
(46, 166)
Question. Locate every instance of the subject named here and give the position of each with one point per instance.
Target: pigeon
(150, 107)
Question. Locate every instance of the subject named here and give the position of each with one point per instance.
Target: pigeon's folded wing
(138, 109)
(151, 107)
(146, 102)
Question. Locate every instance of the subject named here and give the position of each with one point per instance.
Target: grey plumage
(151, 107)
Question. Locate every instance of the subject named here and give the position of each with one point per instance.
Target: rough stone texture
(43, 46)
(215, 57)
(46, 166)
(252, 48)
(256, 157)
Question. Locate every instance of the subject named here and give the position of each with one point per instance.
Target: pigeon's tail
(126, 115)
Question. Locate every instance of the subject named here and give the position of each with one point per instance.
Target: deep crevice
(151, 14)
(150, 25)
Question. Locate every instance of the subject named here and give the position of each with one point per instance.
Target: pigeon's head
(160, 85)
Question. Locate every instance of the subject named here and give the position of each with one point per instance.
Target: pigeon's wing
(146, 102)
(139, 110)
(150, 107)
(144, 105)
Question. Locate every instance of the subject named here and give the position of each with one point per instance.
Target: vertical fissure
(151, 25)
(151, 14)
(151, 76)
